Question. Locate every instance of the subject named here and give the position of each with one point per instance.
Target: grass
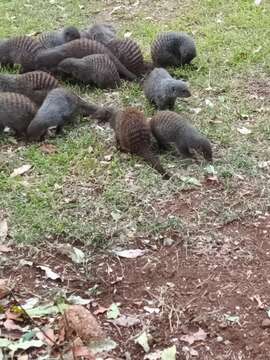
(88, 191)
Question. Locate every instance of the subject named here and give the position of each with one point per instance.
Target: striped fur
(56, 38)
(16, 112)
(20, 50)
(80, 48)
(173, 49)
(95, 69)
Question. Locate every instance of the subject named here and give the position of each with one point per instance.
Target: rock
(266, 324)
(219, 339)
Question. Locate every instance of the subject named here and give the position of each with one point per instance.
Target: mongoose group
(34, 101)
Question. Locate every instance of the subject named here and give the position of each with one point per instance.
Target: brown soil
(190, 289)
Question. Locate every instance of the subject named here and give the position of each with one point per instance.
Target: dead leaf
(49, 273)
(243, 130)
(13, 316)
(126, 321)
(4, 290)
(83, 323)
(21, 170)
(46, 336)
(200, 335)
(10, 325)
(5, 249)
(100, 310)
(82, 351)
(130, 254)
(48, 149)
(3, 230)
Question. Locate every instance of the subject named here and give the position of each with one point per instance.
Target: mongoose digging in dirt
(173, 49)
(59, 107)
(21, 50)
(80, 48)
(35, 85)
(162, 90)
(132, 134)
(55, 38)
(16, 112)
(169, 127)
(95, 69)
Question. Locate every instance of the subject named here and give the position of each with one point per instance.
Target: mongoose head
(178, 88)
(71, 66)
(71, 33)
(187, 49)
(106, 114)
(203, 147)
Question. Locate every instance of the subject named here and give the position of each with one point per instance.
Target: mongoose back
(132, 134)
(35, 85)
(20, 50)
(130, 55)
(102, 33)
(16, 112)
(173, 49)
(55, 38)
(59, 107)
(80, 48)
(169, 127)
(95, 69)
(162, 90)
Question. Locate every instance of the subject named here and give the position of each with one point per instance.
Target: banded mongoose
(80, 48)
(132, 134)
(95, 69)
(16, 112)
(169, 127)
(173, 49)
(130, 55)
(55, 38)
(20, 50)
(59, 107)
(35, 85)
(102, 33)
(162, 89)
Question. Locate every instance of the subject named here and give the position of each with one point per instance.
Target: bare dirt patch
(173, 291)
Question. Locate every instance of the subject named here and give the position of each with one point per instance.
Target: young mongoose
(169, 127)
(162, 90)
(95, 69)
(16, 112)
(173, 49)
(20, 50)
(132, 134)
(35, 85)
(102, 33)
(130, 55)
(59, 107)
(80, 48)
(55, 38)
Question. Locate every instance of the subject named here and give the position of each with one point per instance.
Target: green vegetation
(86, 190)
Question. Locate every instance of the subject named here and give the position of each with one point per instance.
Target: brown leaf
(4, 290)
(200, 335)
(83, 323)
(5, 249)
(47, 336)
(10, 325)
(100, 310)
(48, 149)
(82, 351)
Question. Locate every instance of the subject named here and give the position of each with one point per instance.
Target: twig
(34, 323)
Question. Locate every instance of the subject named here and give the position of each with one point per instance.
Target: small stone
(168, 242)
(227, 342)
(219, 339)
(266, 324)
